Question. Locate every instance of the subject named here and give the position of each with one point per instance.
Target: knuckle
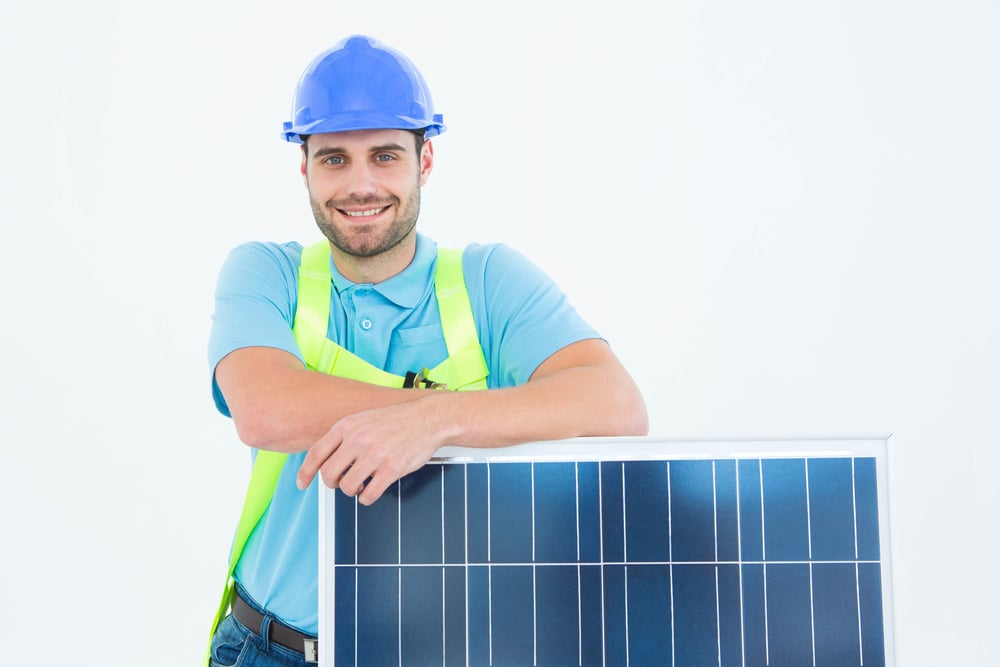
(329, 477)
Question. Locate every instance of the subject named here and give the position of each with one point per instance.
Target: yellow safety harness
(464, 370)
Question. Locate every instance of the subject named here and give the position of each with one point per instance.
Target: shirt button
(361, 293)
(366, 324)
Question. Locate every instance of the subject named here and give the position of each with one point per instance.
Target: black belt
(278, 632)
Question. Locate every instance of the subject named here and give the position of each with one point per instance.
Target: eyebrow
(335, 150)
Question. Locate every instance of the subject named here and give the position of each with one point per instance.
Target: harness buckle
(421, 381)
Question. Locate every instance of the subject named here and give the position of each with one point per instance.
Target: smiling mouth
(367, 213)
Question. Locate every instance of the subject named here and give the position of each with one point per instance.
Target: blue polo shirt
(521, 316)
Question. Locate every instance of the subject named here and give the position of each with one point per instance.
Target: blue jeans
(234, 645)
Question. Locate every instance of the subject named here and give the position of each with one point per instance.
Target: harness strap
(267, 468)
(465, 368)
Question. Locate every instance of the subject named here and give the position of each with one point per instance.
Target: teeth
(361, 214)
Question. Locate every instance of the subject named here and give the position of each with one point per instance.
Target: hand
(365, 452)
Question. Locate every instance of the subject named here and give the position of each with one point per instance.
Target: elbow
(251, 433)
(640, 425)
(633, 415)
(256, 429)
(635, 418)
(626, 416)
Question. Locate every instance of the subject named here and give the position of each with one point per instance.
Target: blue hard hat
(361, 84)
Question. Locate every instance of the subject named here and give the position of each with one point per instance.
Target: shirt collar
(406, 288)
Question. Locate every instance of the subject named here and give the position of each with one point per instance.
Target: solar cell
(616, 552)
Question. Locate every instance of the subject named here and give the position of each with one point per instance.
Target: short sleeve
(527, 317)
(255, 301)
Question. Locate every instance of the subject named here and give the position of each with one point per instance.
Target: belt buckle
(311, 650)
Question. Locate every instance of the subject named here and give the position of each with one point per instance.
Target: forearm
(571, 402)
(288, 408)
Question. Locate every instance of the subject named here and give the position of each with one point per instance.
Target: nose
(360, 179)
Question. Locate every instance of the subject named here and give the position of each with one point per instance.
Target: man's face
(364, 188)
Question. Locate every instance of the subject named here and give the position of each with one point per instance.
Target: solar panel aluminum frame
(627, 449)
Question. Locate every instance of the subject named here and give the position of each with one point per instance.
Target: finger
(354, 479)
(352, 489)
(306, 474)
(316, 457)
(332, 473)
(375, 487)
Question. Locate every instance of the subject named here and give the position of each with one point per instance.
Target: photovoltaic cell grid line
(749, 561)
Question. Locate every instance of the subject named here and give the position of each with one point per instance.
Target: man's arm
(279, 405)
(580, 390)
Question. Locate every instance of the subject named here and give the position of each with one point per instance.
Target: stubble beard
(367, 243)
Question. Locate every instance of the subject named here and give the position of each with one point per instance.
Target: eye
(384, 157)
(333, 160)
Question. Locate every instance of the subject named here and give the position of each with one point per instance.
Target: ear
(426, 161)
(303, 166)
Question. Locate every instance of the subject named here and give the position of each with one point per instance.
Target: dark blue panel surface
(589, 497)
(866, 496)
(831, 509)
(479, 614)
(615, 618)
(612, 513)
(420, 516)
(555, 513)
(648, 614)
(786, 521)
(511, 522)
(730, 630)
(614, 563)
(647, 521)
(344, 509)
(591, 615)
(513, 614)
(422, 611)
(754, 615)
(692, 511)
(454, 615)
(789, 617)
(696, 635)
(344, 617)
(726, 511)
(872, 629)
(454, 513)
(378, 615)
(378, 529)
(589, 503)
(751, 518)
(557, 615)
(835, 615)
(477, 512)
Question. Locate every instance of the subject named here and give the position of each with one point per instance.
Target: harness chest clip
(421, 381)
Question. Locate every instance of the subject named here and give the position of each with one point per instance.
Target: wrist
(445, 416)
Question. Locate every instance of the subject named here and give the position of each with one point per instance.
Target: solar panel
(616, 551)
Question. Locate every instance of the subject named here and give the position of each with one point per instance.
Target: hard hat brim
(361, 121)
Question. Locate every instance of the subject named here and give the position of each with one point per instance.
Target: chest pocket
(417, 346)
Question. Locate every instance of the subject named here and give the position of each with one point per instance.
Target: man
(392, 309)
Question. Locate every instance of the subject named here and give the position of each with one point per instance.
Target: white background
(782, 214)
